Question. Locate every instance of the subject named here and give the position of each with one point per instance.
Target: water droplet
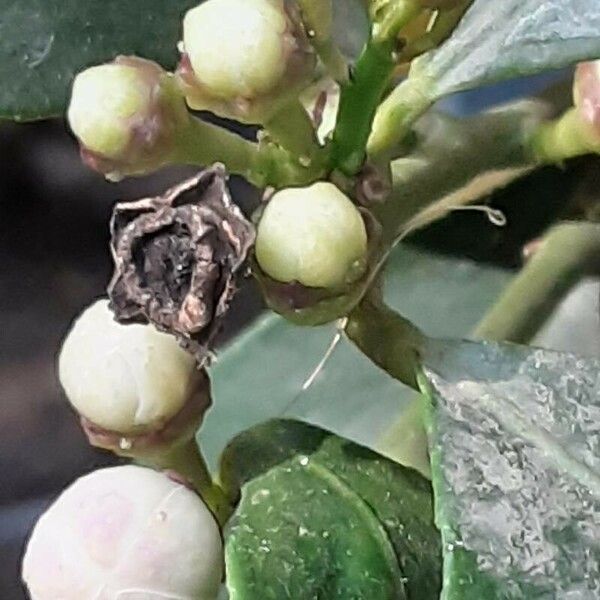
(125, 443)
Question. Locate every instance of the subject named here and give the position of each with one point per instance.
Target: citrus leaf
(501, 40)
(515, 449)
(44, 43)
(322, 517)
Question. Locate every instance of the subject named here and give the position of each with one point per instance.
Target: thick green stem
(390, 341)
(565, 255)
(358, 103)
(187, 460)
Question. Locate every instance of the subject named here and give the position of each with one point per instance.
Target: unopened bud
(244, 59)
(586, 94)
(129, 380)
(125, 532)
(126, 115)
(314, 236)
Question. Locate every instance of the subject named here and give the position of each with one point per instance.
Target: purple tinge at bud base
(586, 93)
(126, 115)
(125, 532)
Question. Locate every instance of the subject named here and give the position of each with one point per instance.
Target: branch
(567, 253)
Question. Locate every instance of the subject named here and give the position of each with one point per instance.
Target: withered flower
(177, 257)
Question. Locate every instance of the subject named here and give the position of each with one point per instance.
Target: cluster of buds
(132, 366)
(241, 59)
(125, 532)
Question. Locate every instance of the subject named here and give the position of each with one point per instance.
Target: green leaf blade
(496, 41)
(515, 450)
(44, 43)
(337, 522)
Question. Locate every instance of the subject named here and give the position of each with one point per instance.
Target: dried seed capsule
(314, 236)
(126, 115)
(178, 257)
(125, 532)
(127, 379)
(244, 59)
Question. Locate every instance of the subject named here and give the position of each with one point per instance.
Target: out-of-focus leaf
(44, 43)
(511, 38)
(515, 447)
(260, 375)
(321, 517)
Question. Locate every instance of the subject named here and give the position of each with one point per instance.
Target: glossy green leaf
(44, 43)
(261, 374)
(510, 38)
(321, 517)
(515, 449)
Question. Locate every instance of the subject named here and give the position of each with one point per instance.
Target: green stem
(565, 255)
(204, 143)
(390, 341)
(187, 460)
(358, 103)
(396, 114)
(563, 138)
(292, 129)
(261, 164)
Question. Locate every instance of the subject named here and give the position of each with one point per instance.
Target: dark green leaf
(43, 43)
(503, 39)
(260, 375)
(515, 449)
(321, 517)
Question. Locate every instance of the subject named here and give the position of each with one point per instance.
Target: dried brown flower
(177, 257)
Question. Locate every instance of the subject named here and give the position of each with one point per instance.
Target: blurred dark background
(54, 256)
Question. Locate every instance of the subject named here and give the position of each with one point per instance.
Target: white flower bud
(244, 58)
(315, 236)
(124, 378)
(129, 533)
(125, 115)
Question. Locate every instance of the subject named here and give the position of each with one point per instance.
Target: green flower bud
(125, 115)
(244, 59)
(128, 379)
(125, 532)
(314, 236)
